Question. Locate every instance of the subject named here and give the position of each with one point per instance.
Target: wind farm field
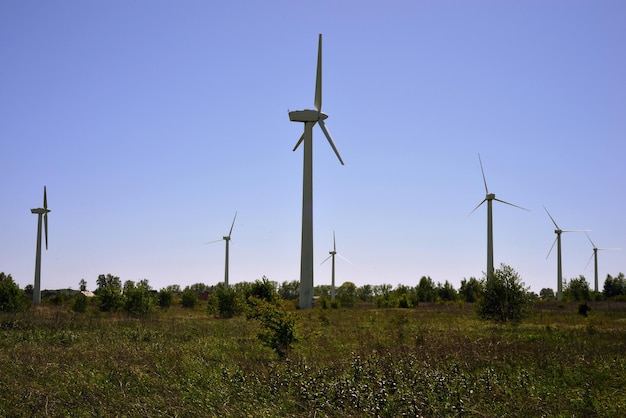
(432, 360)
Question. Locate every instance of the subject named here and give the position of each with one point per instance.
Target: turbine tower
(227, 239)
(594, 255)
(489, 198)
(332, 257)
(42, 213)
(310, 118)
(559, 269)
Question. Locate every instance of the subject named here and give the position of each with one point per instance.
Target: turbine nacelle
(307, 115)
(490, 196)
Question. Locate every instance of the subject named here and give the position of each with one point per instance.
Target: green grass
(434, 360)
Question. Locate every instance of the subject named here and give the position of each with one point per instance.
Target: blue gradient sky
(152, 122)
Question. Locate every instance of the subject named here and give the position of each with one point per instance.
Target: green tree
(228, 301)
(189, 298)
(346, 294)
(289, 290)
(447, 292)
(262, 289)
(165, 298)
(138, 300)
(108, 280)
(82, 285)
(547, 294)
(12, 298)
(110, 298)
(504, 297)
(79, 303)
(577, 290)
(279, 326)
(426, 290)
(470, 290)
(614, 286)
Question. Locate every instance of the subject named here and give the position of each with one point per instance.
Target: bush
(262, 289)
(164, 298)
(138, 301)
(110, 298)
(12, 298)
(79, 303)
(228, 303)
(279, 326)
(504, 296)
(189, 299)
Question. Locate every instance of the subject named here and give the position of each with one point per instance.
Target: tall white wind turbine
(489, 198)
(332, 255)
(41, 213)
(594, 255)
(559, 269)
(310, 118)
(227, 239)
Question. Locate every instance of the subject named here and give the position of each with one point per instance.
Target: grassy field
(434, 360)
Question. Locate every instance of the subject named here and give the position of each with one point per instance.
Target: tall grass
(435, 360)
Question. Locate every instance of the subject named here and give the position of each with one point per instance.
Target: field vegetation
(247, 351)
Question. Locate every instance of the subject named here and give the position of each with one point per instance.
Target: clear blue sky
(152, 122)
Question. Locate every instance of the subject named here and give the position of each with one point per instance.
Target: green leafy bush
(279, 326)
(228, 302)
(138, 301)
(79, 303)
(165, 298)
(189, 299)
(110, 298)
(12, 298)
(504, 296)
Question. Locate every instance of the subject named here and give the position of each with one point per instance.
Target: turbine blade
(45, 222)
(231, 227)
(551, 248)
(318, 78)
(212, 242)
(511, 204)
(575, 230)
(325, 260)
(344, 258)
(334, 244)
(553, 221)
(45, 198)
(586, 265)
(592, 244)
(299, 142)
(483, 171)
(330, 139)
(474, 210)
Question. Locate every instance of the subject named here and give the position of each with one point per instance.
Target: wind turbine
(595, 261)
(489, 198)
(42, 213)
(557, 240)
(332, 257)
(310, 118)
(227, 239)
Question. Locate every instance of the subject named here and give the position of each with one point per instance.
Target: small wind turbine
(227, 239)
(594, 255)
(332, 257)
(557, 240)
(41, 212)
(310, 118)
(489, 198)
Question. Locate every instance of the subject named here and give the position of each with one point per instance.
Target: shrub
(583, 309)
(504, 296)
(79, 303)
(262, 289)
(164, 298)
(228, 303)
(12, 298)
(189, 299)
(138, 301)
(110, 298)
(279, 326)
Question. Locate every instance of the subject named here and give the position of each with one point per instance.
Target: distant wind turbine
(332, 257)
(310, 118)
(227, 239)
(594, 255)
(557, 240)
(41, 212)
(489, 198)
